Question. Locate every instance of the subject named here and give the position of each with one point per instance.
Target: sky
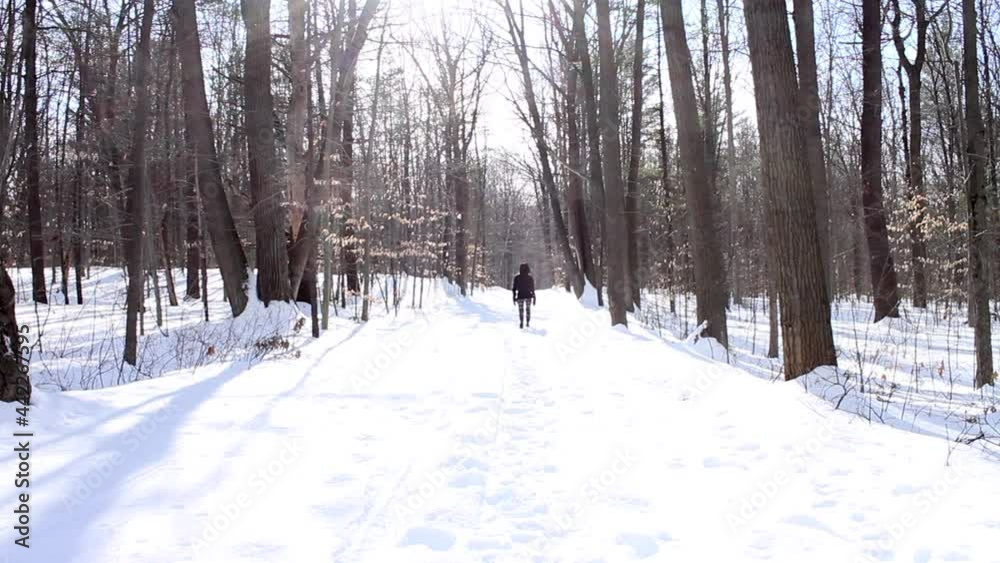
(500, 127)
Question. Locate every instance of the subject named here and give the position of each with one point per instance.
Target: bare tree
(913, 150)
(633, 219)
(330, 167)
(298, 105)
(793, 237)
(576, 173)
(617, 235)
(702, 200)
(135, 209)
(201, 140)
(268, 199)
(883, 270)
(979, 249)
(805, 44)
(36, 245)
(533, 120)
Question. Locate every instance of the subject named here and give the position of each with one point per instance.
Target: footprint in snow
(468, 462)
(468, 480)
(434, 538)
(643, 546)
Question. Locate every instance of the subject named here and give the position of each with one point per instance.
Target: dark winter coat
(524, 287)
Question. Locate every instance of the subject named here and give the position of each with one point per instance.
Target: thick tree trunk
(574, 185)
(632, 214)
(36, 243)
(218, 218)
(135, 208)
(14, 385)
(266, 195)
(883, 270)
(772, 312)
(617, 234)
(793, 238)
(975, 187)
(592, 121)
(298, 103)
(805, 45)
(702, 200)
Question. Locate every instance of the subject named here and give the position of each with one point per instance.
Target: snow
(82, 346)
(449, 435)
(914, 372)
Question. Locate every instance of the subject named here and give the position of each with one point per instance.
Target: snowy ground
(449, 435)
(81, 346)
(914, 372)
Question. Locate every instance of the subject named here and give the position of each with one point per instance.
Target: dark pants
(524, 308)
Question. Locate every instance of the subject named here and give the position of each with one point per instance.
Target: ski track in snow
(450, 435)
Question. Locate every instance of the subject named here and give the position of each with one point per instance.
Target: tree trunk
(329, 168)
(267, 197)
(14, 384)
(617, 234)
(192, 230)
(883, 270)
(345, 188)
(14, 376)
(805, 45)
(168, 262)
(632, 215)
(135, 208)
(793, 238)
(76, 239)
(218, 218)
(917, 208)
(975, 187)
(727, 79)
(36, 244)
(591, 118)
(298, 103)
(772, 312)
(664, 147)
(574, 184)
(702, 202)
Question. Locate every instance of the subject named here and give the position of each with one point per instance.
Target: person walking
(524, 294)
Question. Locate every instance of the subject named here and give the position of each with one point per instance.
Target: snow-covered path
(453, 436)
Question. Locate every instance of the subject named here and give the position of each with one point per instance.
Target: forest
(792, 155)
(258, 299)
